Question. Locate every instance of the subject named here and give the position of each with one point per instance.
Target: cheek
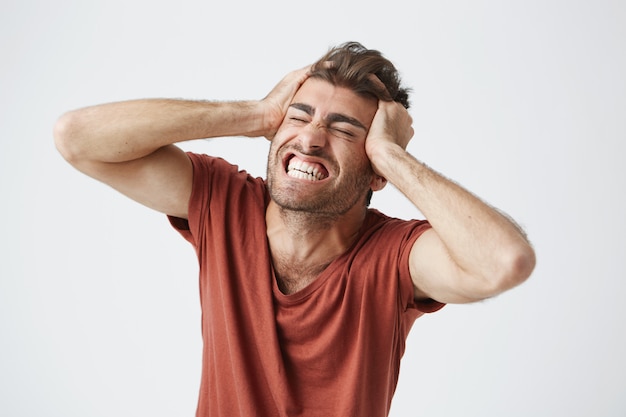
(277, 141)
(283, 134)
(355, 160)
(354, 151)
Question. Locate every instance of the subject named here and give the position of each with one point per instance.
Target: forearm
(480, 240)
(124, 131)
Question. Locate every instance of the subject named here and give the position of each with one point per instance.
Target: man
(307, 295)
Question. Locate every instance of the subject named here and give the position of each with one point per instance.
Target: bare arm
(130, 145)
(472, 251)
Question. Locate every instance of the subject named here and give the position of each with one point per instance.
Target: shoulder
(378, 225)
(386, 240)
(221, 191)
(382, 254)
(207, 163)
(213, 171)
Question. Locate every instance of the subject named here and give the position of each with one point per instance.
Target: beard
(336, 198)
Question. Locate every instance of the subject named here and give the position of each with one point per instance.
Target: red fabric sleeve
(406, 283)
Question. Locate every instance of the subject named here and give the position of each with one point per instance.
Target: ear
(378, 183)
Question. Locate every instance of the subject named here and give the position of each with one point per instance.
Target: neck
(304, 244)
(313, 230)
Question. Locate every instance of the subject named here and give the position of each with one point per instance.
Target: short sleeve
(406, 283)
(212, 177)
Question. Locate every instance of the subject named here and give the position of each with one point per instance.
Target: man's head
(317, 162)
(351, 66)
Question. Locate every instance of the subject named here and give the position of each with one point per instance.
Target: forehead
(326, 99)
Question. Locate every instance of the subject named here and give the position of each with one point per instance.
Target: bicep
(161, 180)
(435, 275)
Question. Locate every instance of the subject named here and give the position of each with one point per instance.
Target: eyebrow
(331, 118)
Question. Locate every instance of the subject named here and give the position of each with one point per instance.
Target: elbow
(512, 267)
(516, 266)
(66, 137)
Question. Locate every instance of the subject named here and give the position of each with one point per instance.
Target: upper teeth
(303, 170)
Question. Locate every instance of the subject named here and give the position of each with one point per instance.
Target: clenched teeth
(305, 171)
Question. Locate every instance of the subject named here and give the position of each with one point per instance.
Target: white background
(522, 102)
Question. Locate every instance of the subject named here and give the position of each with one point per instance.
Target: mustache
(316, 152)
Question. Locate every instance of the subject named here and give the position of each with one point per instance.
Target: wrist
(253, 119)
(382, 155)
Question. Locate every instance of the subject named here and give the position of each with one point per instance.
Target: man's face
(317, 161)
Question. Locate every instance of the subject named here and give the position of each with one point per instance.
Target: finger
(380, 87)
(301, 75)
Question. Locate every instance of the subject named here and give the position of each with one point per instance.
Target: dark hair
(351, 66)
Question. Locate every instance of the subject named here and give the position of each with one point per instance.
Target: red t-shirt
(330, 349)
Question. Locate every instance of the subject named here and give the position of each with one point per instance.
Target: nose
(313, 136)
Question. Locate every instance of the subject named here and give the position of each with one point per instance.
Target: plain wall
(522, 102)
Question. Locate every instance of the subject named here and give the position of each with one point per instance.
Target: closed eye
(343, 133)
(297, 121)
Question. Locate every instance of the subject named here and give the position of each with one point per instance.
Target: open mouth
(305, 170)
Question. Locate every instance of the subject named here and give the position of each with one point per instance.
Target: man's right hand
(276, 103)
